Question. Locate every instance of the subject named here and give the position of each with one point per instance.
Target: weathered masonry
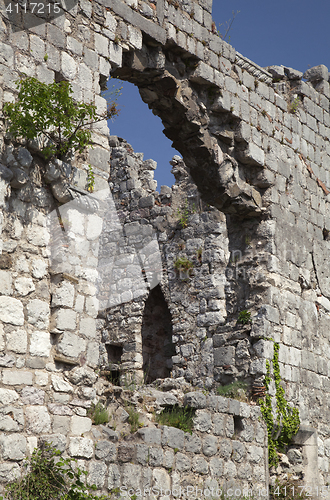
(128, 284)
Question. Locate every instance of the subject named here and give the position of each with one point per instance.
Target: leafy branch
(227, 25)
(49, 110)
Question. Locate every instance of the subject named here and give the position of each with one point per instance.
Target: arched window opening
(157, 346)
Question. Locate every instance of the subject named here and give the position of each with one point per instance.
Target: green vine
(286, 424)
(90, 179)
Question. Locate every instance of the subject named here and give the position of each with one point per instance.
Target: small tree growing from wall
(49, 112)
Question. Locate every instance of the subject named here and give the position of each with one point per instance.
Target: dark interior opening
(114, 353)
(238, 424)
(114, 359)
(157, 346)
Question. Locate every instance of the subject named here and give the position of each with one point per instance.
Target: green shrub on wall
(48, 111)
(51, 477)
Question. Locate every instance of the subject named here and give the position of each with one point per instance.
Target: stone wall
(256, 144)
(224, 451)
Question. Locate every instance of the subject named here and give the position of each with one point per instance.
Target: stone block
(234, 407)
(40, 344)
(135, 37)
(172, 437)
(7, 55)
(63, 295)
(156, 457)
(193, 443)
(61, 424)
(320, 72)
(59, 409)
(82, 375)
(5, 282)
(32, 396)
(182, 462)
(81, 447)
(126, 452)
(202, 421)
(17, 377)
(114, 479)
(60, 385)
(58, 441)
(105, 451)
(17, 341)
(210, 446)
(37, 420)
(8, 424)
(8, 396)
(11, 311)
(161, 479)
(74, 45)
(7, 361)
(65, 319)
(97, 474)
(203, 74)
(88, 327)
(93, 353)
(253, 155)
(38, 314)
(200, 465)
(80, 425)
(13, 447)
(195, 400)
(142, 454)
(39, 268)
(68, 66)
(216, 467)
(224, 356)
(151, 435)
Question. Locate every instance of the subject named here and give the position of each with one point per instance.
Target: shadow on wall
(157, 346)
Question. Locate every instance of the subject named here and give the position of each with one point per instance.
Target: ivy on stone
(285, 424)
(49, 112)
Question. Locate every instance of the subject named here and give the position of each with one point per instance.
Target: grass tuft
(181, 418)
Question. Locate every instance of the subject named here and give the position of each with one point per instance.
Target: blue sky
(294, 33)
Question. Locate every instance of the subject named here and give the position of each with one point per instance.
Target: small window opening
(238, 424)
(326, 234)
(114, 359)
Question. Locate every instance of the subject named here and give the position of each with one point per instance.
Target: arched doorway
(157, 346)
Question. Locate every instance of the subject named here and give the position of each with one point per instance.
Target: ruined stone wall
(256, 144)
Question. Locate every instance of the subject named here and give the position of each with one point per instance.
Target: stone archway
(202, 127)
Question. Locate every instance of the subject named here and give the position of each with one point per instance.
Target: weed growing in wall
(236, 390)
(294, 105)
(48, 476)
(181, 418)
(183, 215)
(244, 317)
(286, 424)
(133, 418)
(99, 414)
(183, 264)
(49, 112)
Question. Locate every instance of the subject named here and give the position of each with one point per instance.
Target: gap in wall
(142, 130)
